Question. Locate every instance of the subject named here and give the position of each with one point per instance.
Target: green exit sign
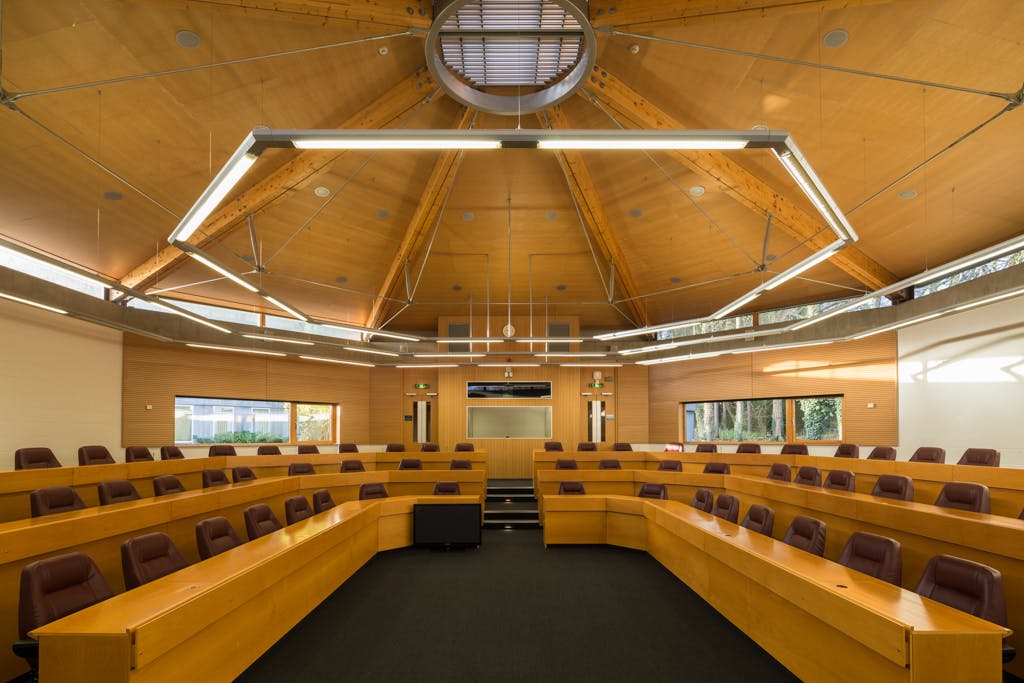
(596, 385)
(421, 386)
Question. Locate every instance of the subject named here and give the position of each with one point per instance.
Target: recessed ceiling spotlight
(383, 50)
(908, 194)
(634, 49)
(468, 215)
(113, 196)
(187, 39)
(341, 279)
(697, 190)
(456, 288)
(247, 258)
(636, 213)
(561, 288)
(321, 191)
(770, 257)
(383, 213)
(551, 215)
(759, 126)
(675, 280)
(836, 38)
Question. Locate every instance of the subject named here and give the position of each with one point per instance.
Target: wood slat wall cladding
(154, 373)
(864, 371)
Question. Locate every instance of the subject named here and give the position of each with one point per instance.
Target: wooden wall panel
(631, 417)
(864, 371)
(385, 405)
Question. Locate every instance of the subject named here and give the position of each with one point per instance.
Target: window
(223, 421)
(768, 420)
(200, 420)
(819, 418)
(261, 420)
(182, 423)
(313, 422)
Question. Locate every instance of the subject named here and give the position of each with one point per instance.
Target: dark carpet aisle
(513, 611)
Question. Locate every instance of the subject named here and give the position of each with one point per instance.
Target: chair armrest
(26, 649)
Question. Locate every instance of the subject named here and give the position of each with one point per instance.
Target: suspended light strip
(834, 312)
(679, 143)
(427, 366)
(782, 347)
(235, 349)
(236, 167)
(368, 331)
(287, 309)
(621, 334)
(45, 261)
(448, 355)
(812, 186)
(590, 365)
(53, 309)
(739, 303)
(216, 267)
(156, 301)
(508, 365)
(472, 340)
(580, 354)
(896, 326)
(548, 340)
(373, 351)
(339, 361)
(990, 299)
(677, 359)
(278, 339)
(806, 264)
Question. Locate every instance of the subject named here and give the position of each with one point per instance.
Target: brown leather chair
(550, 446)
(586, 446)
(296, 509)
(760, 518)
(703, 500)
(707, 448)
(929, 454)
(807, 533)
(214, 536)
(222, 449)
(793, 449)
(571, 488)
(268, 450)
(980, 457)
(962, 495)
(148, 557)
(748, 448)
(968, 586)
(717, 468)
(727, 507)
(895, 486)
(352, 466)
(117, 491)
(447, 488)
(621, 446)
(840, 480)
(609, 464)
(808, 476)
(877, 556)
(167, 484)
(310, 449)
(137, 454)
(410, 464)
(371, 491)
(653, 491)
(171, 453)
(260, 521)
(460, 464)
(882, 453)
(52, 500)
(848, 450)
(429, 448)
(394, 448)
(322, 501)
(53, 588)
(295, 468)
(35, 458)
(780, 471)
(566, 464)
(242, 474)
(349, 448)
(670, 465)
(214, 478)
(464, 447)
(94, 455)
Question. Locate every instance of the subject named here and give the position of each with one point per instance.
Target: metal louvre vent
(511, 42)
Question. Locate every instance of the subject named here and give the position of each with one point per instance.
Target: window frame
(334, 421)
(789, 435)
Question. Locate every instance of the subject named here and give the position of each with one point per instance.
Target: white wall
(962, 383)
(60, 384)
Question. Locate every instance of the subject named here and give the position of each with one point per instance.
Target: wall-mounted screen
(508, 390)
(508, 422)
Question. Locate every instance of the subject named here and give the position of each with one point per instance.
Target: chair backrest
(242, 474)
(982, 457)
(117, 491)
(879, 556)
(171, 453)
(840, 480)
(222, 449)
(968, 586)
(847, 450)
(553, 446)
(460, 464)
(586, 446)
(962, 495)
(670, 466)
(447, 488)
(727, 507)
(410, 464)
(322, 501)
(808, 476)
(748, 448)
(807, 533)
(394, 448)
(895, 486)
(566, 464)
(929, 454)
(717, 468)
(268, 450)
(352, 466)
(295, 468)
(780, 471)
(56, 587)
(703, 500)
(609, 464)
(653, 491)
(34, 458)
(793, 449)
(94, 455)
(137, 454)
(214, 536)
(429, 448)
(214, 478)
(260, 521)
(310, 449)
(371, 491)
(621, 446)
(882, 453)
(707, 448)
(760, 518)
(464, 447)
(571, 488)
(296, 509)
(54, 499)
(148, 557)
(165, 484)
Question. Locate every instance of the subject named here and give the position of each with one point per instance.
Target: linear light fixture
(664, 327)
(471, 340)
(44, 260)
(806, 264)
(339, 361)
(285, 340)
(782, 347)
(448, 355)
(677, 359)
(163, 305)
(53, 309)
(834, 312)
(811, 185)
(714, 337)
(368, 331)
(235, 349)
(896, 326)
(580, 354)
(287, 309)
(549, 340)
(376, 352)
(590, 365)
(427, 366)
(215, 266)
(508, 365)
(739, 303)
(990, 299)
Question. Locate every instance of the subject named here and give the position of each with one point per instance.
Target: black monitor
(446, 525)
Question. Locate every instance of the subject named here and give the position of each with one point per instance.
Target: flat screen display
(446, 525)
(508, 390)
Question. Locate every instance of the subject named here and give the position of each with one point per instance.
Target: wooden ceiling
(158, 140)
